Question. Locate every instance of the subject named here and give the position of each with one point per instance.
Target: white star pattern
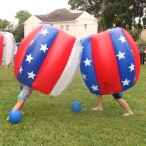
(126, 82)
(94, 88)
(124, 59)
(122, 39)
(44, 32)
(131, 67)
(44, 48)
(20, 69)
(84, 76)
(121, 55)
(31, 75)
(87, 62)
(37, 47)
(29, 58)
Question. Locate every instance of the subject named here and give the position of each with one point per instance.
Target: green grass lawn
(49, 121)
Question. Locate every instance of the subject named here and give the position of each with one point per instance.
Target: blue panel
(87, 67)
(44, 37)
(124, 57)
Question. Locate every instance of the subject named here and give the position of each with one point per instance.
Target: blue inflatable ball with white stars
(15, 116)
(76, 106)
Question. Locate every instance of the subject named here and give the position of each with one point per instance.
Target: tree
(4, 24)
(22, 16)
(113, 13)
(90, 6)
(127, 14)
(144, 22)
(11, 28)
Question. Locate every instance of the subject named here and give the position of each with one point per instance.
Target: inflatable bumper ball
(47, 60)
(110, 61)
(7, 47)
(1, 48)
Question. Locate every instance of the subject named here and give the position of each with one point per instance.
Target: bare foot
(127, 114)
(96, 109)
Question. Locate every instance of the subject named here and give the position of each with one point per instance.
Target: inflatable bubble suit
(47, 60)
(7, 47)
(110, 61)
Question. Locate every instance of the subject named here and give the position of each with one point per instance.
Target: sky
(9, 8)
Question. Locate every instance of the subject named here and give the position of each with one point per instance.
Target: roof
(59, 15)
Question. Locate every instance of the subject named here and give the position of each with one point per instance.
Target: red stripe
(105, 64)
(1, 48)
(54, 63)
(23, 48)
(135, 51)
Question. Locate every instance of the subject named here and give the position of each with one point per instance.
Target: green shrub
(141, 43)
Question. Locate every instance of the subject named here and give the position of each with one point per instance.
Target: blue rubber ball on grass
(76, 106)
(15, 116)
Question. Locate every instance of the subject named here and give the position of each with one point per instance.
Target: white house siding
(70, 24)
(76, 27)
(30, 24)
(92, 25)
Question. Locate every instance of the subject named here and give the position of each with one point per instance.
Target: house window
(85, 26)
(67, 27)
(62, 27)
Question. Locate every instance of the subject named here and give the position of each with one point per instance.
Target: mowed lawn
(49, 121)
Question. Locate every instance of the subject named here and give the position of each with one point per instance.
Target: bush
(141, 43)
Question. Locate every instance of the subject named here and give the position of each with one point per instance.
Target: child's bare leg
(18, 105)
(7, 66)
(119, 98)
(125, 105)
(99, 104)
(13, 63)
(22, 97)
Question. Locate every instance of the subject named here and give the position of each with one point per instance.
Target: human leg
(124, 104)
(7, 66)
(22, 97)
(18, 105)
(99, 104)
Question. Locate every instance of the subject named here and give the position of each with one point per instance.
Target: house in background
(142, 49)
(143, 35)
(76, 24)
